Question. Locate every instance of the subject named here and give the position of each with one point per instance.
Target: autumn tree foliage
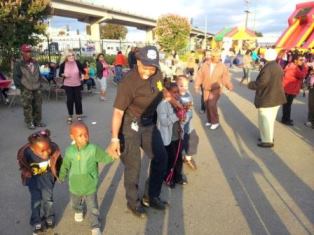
(113, 31)
(172, 32)
(21, 21)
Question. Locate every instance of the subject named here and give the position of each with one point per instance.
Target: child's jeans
(41, 203)
(92, 207)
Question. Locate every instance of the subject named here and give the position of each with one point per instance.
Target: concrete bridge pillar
(95, 36)
(149, 36)
(192, 43)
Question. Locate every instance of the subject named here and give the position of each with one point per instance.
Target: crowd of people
(152, 111)
(140, 120)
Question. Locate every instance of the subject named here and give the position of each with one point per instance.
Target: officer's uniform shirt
(139, 97)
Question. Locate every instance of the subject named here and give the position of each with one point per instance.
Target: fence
(52, 50)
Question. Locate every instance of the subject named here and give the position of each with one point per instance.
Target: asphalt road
(238, 188)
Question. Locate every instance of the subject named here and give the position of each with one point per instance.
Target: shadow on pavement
(240, 170)
(251, 198)
(298, 113)
(156, 220)
(110, 193)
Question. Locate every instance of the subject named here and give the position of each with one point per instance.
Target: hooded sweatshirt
(81, 167)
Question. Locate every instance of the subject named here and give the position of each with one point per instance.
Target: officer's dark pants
(31, 101)
(149, 139)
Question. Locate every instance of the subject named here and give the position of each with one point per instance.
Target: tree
(172, 32)
(21, 21)
(113, 31)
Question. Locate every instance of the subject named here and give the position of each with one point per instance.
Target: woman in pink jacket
(294, 74)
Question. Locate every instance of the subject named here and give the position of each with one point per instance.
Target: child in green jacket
(80, 164)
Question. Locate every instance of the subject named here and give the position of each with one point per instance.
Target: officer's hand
(114, 150)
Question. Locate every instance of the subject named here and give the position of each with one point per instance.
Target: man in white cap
(268, 97)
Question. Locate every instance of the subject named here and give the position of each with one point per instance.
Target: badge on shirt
(134, 126)
(159, 86)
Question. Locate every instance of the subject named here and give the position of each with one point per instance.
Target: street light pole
(246, 17)
(48, 41)
(247, 13)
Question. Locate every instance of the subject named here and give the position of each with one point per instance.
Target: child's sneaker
(78, 217)
(37, 229)
(309, 124)
(50, 224)
(96, 231)
(69, 120)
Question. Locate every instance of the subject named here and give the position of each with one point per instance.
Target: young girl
(190, 137)
(169, 125)
(39, 162)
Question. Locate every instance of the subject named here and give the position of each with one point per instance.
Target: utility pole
(48, 41)
(205, 33)
(254, 19)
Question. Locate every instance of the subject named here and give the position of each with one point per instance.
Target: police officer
(26, 77)
(138, 95)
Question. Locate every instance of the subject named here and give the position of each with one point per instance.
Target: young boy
(81, 166)
(39, 161)
(190, 139)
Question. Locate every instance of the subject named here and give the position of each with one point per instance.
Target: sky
(267, 16)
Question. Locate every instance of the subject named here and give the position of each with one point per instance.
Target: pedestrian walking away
(119, 62)
(247, 66)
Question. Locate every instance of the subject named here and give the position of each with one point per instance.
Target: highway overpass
(96, 14)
